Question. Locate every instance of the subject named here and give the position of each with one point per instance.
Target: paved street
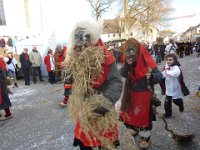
(40, 124)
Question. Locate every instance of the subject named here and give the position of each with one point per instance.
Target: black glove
(101, 110)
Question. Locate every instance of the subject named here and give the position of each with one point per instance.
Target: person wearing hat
(12, 67)
(36, 61)
(26, 64)
(50, 65)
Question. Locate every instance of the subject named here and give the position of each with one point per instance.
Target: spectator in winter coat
(12, 67)
(25, 64)
(174, 92)
(2, 43)
(171, 47)
(36, 60)
(10, 42)
(50, 65)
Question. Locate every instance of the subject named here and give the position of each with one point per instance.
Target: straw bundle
(86, 69)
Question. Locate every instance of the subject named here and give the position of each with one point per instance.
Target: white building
(46, 22)
(34, 17)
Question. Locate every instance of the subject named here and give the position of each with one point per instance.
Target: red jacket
(47, 62)
(3, 65)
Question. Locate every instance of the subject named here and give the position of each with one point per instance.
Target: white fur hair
(94, 28)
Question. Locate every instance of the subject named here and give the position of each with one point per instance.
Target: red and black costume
(4, 99)
(136, 106)
(50, 66)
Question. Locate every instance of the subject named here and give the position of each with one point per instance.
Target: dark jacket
(141, 85)
(24, 63)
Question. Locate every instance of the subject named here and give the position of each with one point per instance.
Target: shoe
(42, 80)
(62, 104)
(3, 118)
(166, 116)
(16, 85)
(198, 94)
(181, 108)
(144, 143)
(133, 132)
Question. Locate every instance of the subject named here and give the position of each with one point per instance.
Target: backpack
(172, 48)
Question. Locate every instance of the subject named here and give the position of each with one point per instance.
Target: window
(2, 14)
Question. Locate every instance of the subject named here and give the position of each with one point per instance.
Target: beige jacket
(35, 58)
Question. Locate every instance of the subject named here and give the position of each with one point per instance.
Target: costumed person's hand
(129, 61)
(101, 110)
(148, 74)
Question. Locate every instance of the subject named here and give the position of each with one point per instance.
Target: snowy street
(40, 124)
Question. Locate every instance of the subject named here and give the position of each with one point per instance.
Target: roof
(111, 26)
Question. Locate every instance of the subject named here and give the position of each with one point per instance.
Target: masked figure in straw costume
(141, 74)
(96, 87)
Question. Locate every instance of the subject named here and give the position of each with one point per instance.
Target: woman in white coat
(172, 74)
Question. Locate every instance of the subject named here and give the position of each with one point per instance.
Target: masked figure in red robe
(141, 74)
(85, 39)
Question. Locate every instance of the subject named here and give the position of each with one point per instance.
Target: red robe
(113, 133)
(138, 113)
(3, 67)
(47, 62)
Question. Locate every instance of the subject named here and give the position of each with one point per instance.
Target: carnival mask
(82, 39)
(131, 53)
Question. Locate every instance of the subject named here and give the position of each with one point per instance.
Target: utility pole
(26, 8)
(41, 17)
(126, 32)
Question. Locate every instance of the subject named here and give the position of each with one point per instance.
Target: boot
(198, 94)
(16, 85)
(9, 91)
(133, 132)
(8, 115)
(3, 118)
(64, 102)
(145, 143)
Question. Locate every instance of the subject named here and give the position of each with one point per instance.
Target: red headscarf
(144, 62)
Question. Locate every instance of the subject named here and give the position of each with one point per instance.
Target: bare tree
(144, 13)
(99, 7)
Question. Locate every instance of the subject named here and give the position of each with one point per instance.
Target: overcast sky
(181, 8)
(184, 8)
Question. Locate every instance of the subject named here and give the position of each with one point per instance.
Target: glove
(101, 110)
